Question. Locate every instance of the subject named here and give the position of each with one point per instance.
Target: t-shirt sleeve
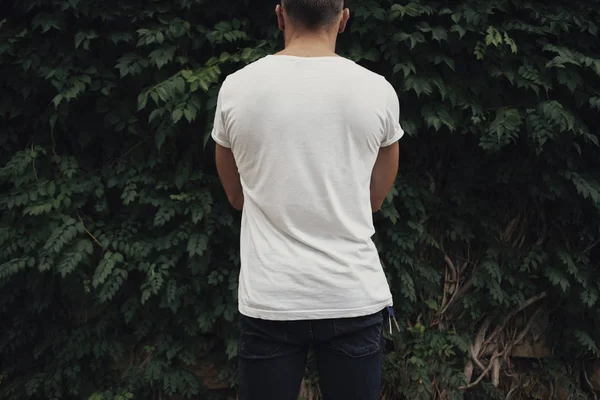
(393, 131)
(219, 132)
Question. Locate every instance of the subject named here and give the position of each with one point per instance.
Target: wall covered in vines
(119, 252)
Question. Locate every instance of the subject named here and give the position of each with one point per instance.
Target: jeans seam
(375, 350)
(243, 354)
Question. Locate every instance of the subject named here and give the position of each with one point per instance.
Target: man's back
(307, 148)
(305, 133)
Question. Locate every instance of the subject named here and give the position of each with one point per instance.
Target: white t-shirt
(305, 134)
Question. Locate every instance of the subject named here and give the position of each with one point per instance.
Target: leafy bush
(118, 269)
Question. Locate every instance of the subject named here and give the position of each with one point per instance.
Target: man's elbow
(376, 204)
(237, 201)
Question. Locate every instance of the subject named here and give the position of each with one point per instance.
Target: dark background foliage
(119, 252)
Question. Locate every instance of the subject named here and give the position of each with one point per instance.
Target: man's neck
(311, 44)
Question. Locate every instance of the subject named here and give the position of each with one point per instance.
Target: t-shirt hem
(220, 141)
(302, 315)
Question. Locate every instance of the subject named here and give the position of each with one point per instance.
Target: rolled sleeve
(219, 132)
(393, 131)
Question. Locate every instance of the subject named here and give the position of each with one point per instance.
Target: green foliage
(119, 252)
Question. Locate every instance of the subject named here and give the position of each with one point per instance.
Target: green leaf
(72, 259)
(47, 22)
(557, 114)
(480, 50)
(164, 215)
(190, 114)
(197, 245)
(79, 38)
(493, 37)
(159, 138)
(586, 341)
(458, 29)
(511, 43)
(414, 38)
(589, 297)
(411, 10)
(407, 68)
(142, 100)
(557, 278)
(439, 33)
(158, 113)
(438, 59)
(177, 115)
(163, 56)
(507, 121)
(420, 85)
(570, 79)
(588, 188)
(503, 130)
(105, 268)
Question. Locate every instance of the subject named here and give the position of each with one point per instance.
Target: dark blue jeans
(349, 352)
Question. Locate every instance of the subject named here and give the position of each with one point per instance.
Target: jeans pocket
(358, 337)
(260, 339)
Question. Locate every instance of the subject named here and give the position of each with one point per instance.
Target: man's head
(313, 14)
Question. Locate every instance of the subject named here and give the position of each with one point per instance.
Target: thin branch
(587, 379)
(488, 350)
(483, 375)
(451, 285)
(444, 297)
(478, 343)
(35, 175)
(452, 268)
(457, 294)
(496, 364)
(89, 233)
(53, 142)
(437, 390)
(592, 246)
(462, 269)
(468, 371)
(475, 358)
(128, 152)
(510, 229)
(510, 393)
(517, 310)
(525, 330)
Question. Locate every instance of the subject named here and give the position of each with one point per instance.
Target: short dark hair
(313, 13)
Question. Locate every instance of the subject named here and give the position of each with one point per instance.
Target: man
(307, 148)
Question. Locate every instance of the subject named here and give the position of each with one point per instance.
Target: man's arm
(384, 175)
(230, 177)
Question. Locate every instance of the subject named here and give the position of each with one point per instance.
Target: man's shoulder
(249, 71)
(365, 71)
(266, 66)
(373, 78)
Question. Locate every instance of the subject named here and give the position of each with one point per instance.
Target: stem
(89, 233)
